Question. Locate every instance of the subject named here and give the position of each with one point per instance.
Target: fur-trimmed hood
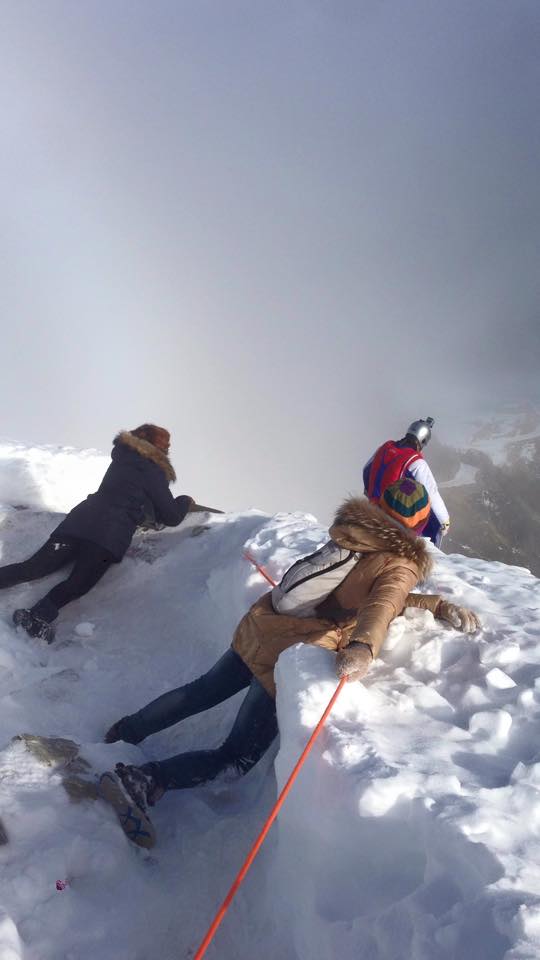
(148, 450)
(363, 527)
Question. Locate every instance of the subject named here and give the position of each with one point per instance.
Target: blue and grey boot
(131, 790)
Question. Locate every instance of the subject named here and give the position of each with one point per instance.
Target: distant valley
(491, 486)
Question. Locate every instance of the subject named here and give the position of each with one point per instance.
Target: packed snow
(412, 832)
(47, 477)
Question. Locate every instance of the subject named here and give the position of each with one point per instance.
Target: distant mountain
(491, 486)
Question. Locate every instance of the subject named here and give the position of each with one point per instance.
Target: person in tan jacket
(364, 575)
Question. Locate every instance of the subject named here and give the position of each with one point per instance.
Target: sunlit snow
(413, 831)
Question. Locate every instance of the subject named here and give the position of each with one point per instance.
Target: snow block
(10, 942)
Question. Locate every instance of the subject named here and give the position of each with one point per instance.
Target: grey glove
(354, 661)
(459, 617)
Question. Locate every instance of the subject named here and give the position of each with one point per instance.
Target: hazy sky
(282, 229)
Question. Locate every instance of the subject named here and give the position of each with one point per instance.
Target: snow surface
(53, 478)
(412, 832)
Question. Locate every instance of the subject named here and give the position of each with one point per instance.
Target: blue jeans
(252, 732)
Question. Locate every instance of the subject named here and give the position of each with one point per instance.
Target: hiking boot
(113, 734)
(120, 731)
(133, 819)
(35, 626)
(141, 784)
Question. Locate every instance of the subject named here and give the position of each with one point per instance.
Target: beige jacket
(375, 591)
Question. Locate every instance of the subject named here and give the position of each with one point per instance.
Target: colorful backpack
(407, 501)
(388, 465)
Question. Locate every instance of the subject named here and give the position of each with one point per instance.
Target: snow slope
(412, 832)
(54, 478)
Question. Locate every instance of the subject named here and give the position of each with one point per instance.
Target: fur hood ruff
(147, 450)
(363, 527)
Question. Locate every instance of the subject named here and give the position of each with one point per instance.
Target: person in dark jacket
(98, 531)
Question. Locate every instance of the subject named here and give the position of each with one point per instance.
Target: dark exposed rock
(54, 751)
(64, 755)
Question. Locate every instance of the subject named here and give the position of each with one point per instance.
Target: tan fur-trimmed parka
(374, 592)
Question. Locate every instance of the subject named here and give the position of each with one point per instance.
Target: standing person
(342, 598)
(98, 531)
(404, 458)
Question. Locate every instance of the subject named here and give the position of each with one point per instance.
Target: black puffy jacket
(135, 485)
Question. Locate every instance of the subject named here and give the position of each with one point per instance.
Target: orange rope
(261, 570)
(260, 839)
(275, 809)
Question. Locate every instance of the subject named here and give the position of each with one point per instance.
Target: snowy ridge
(54, 478)
(433, 766)
(412, 831)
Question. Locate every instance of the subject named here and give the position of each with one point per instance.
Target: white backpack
(311, 579)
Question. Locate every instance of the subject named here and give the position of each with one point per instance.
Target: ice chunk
(491, 724)
(10, 943)
(499, 680)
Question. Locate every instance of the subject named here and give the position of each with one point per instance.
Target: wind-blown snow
(412, 831)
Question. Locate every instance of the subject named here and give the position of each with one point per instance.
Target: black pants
(90, 563)
(252, 732)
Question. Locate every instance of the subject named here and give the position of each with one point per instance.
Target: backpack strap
(311, 579)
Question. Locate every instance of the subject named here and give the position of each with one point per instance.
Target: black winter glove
(185, 503)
